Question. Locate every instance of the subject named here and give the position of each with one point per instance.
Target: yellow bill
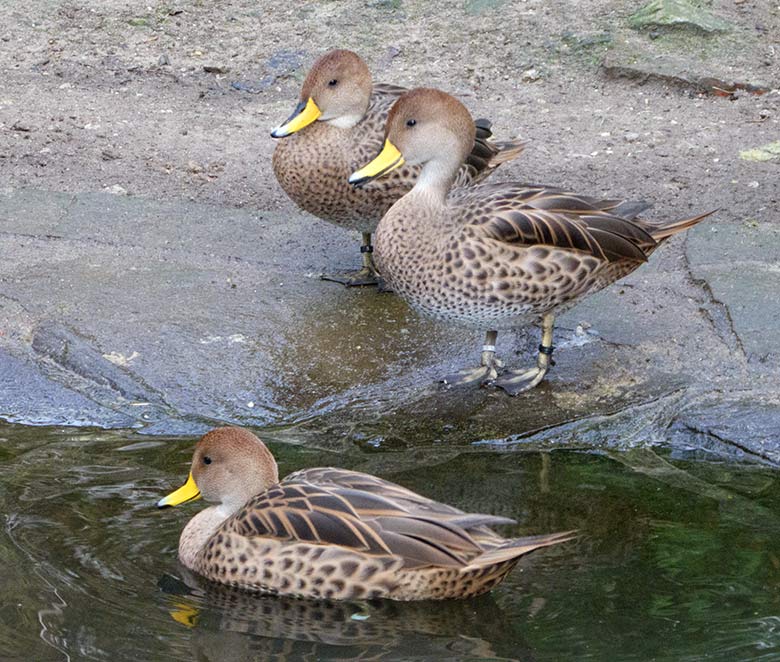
(388, 159)
(304, 114)
(187, 492)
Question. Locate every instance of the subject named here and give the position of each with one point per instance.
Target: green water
(677, 560)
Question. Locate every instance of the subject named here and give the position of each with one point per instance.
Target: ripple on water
(661, 570)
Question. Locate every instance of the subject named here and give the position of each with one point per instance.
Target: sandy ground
(85, 103)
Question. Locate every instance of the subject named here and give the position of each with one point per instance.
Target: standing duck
(331, 533)
(494, 256)
(338, 125)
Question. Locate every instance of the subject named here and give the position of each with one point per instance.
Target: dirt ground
(138, 97)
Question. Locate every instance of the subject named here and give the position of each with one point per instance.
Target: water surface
(678, 559)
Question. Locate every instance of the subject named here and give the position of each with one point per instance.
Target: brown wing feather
(308, 514)
(363, 513)
(539, 216)
(410, 502)
(389, 90)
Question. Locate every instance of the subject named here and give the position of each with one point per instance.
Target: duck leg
(367, 275)
(487, 370)
(517, 381)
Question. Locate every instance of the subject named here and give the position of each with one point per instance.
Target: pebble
(530, 76)
(631, 137)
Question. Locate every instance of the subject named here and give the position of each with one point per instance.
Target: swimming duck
(331, 533)
(339, 124)
(494, 256)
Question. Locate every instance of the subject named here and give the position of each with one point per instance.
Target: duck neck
(435, 180)
(198, 530)
(348, 118)
(345, 121)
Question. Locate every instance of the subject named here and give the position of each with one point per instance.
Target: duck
(338, 124)
(494, 256)
(333, 534)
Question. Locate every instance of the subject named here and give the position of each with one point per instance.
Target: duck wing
(486, 155)
(340, 514)
(403, 498)
(541, 216)
(389, 91)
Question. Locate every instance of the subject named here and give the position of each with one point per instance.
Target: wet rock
(223, 322)
(34, 397)
(677, 13)
(742, 428)
(737, 264)
(75, 354)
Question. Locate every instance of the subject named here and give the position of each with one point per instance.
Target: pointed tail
(666, 230)
(514, 549)
(487, 154)
(508, 150)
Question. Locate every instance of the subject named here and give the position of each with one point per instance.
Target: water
(677, 560)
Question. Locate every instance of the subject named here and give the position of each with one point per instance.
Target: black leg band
(544, 349)
(366, 248)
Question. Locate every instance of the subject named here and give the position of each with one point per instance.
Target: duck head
(425, 127)
(229, 466)
(337, 90)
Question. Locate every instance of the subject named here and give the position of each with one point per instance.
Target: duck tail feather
(517, 547)
(666, 230)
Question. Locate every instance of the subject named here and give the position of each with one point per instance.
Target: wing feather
(366, 514)
(538, 216)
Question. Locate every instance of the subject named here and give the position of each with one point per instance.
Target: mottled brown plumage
(332, 533)
(313, 163)
(495, 256)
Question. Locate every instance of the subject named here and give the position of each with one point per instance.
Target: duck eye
(411, 122)
(333, 82)
(206, 459)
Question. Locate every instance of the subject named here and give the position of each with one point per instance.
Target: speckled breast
(477, 281)
(313, 167)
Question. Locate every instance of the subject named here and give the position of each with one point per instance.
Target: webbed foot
(361, 277)
(468, 376)
(486, 372)
(515, 382)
